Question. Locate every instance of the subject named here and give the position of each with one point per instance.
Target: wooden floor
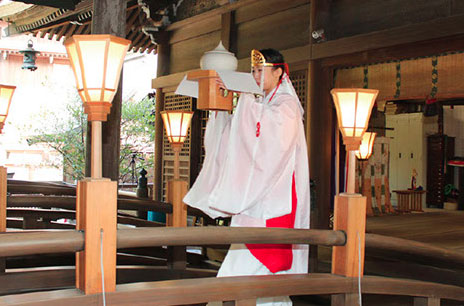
(438, 227)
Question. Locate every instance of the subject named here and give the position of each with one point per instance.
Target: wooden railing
(43, 242)
(242, 289)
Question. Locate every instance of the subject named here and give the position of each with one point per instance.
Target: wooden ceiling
(61, 23)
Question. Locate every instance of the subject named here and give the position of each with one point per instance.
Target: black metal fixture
(29, 57)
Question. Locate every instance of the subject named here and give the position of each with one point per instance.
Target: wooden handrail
(201, 290)
(211, 235)
(416, 251)
(69, 202)
(42, 242)
(40, 189)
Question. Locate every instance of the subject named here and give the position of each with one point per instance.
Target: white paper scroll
(234, 81)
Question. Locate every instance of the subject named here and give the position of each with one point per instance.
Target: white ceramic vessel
(218, 59)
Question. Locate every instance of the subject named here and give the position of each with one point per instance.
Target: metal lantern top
(29, 57)
(354, 106)
(176, 124)
(97, 61)
(367, 144)
(6, 94)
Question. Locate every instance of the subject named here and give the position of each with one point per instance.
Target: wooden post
(162, 69)
(350, 217)
(96, 209)
(96, 150)
(351, 176)
(3, 194)
(176, 190)
(176, 148)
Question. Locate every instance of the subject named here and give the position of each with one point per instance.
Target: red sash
(277, 257)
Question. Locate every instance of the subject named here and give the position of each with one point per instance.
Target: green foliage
(137, 138)
(66, 134)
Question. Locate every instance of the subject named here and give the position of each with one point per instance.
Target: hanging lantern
(354, 106)
(6, 93)
(367, 144)
(29, 57)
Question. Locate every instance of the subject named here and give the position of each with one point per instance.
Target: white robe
(248, 175)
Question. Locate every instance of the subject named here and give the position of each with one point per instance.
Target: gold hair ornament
(258, 59)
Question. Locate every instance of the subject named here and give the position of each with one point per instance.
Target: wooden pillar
(176, 190)
(320, 141)
(96, 209)
(227, 29)
(162, 69)
(109, 17)
(3, 198)
(320, 123)
(350, 217)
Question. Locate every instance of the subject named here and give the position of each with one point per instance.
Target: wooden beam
(131, 20)
(62, 30)
(168, 80)
(132, 34)
(137, 42)
(51, 33)
(407, 51)
(70, 31)
(434, 29)
(87, 29)
(227, 25)
(80, 29)
(221, 10)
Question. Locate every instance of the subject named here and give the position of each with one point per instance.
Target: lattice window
(175, 102)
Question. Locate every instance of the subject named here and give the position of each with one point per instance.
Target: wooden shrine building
(412, 51)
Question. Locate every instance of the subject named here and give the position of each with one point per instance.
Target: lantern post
(176, 124)
(96, 61)
(354, 106)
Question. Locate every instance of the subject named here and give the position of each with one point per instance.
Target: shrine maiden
(256, 171)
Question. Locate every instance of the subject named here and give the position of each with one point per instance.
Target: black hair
(275, 57)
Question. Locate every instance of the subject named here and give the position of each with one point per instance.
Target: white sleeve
(216, 138)
(258, 161)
